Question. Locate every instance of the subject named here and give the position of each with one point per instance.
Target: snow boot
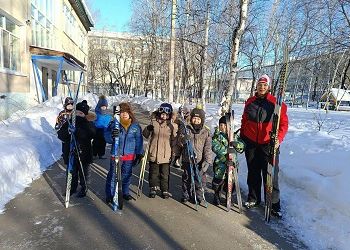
(251, 204)
(127, 197)
(82, 193)
(216, 200)
(276, 210)
(109, 200)
(166, 195)
(152, 192)
(184, 199)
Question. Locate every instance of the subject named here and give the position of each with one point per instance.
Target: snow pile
(28, 145)
(314, 174)
(314, 177)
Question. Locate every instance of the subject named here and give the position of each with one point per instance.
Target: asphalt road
(37, 219)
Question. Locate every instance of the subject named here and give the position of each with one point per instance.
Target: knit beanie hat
(67, 101)
(196, 112)
(83, 107)
(102, 101)
(222, 120)
(265, 79)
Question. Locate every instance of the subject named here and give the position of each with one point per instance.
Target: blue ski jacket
(103, 119)
(130, 140)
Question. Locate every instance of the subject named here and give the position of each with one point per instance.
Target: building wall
(15, 13)
(49, 24)
(13, 83)
(14, 66)
(67, 34)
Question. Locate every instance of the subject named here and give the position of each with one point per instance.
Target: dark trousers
(257, 161)
(81, 174)
(187, 188)
(159, 176)
(99, 143)
(219, 185)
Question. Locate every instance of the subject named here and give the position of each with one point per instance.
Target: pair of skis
(143, 167)
(73, 145)
(232, 173)
(193, 167)
(142, 172)
(274, 137)
(115, 167)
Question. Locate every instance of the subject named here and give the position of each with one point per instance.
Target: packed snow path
(37, 219)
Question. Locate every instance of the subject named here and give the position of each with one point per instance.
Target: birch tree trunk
(204, 84)
(172, 53)
(226, 102)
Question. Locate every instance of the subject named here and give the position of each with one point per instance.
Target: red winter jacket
(257, 119)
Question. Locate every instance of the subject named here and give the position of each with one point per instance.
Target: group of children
(91, 131)
(166, 134)
(169, 136)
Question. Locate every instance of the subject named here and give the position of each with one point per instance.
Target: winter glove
(150, 128)
(138, 158)
(205, 166)
(115, 133)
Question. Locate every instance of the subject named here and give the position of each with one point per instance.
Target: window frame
(43, 34)
(12, 53)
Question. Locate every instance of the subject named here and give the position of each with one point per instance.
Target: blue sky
(113, 14)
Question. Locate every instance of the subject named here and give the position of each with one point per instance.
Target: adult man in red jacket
(255, 131)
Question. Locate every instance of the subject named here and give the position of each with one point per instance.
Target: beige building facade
(37, 29)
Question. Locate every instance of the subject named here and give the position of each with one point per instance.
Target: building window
(42, 23)
(70, 22)
(10, 45)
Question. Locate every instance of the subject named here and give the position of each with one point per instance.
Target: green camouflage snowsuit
(219, 147)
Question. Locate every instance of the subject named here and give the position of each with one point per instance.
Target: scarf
(125, 123)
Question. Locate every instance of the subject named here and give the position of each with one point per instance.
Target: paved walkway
(37, 219)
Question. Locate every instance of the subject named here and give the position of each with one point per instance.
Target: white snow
(314, 165)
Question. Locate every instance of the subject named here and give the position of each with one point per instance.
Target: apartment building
(39, 40)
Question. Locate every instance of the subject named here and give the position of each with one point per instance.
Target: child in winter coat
(219, 147)
(162, 132)
(176, 118)
(64, 115)
(130, 149)
(101, 123)
(84, 132)
(220, 144)
(199, 137)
